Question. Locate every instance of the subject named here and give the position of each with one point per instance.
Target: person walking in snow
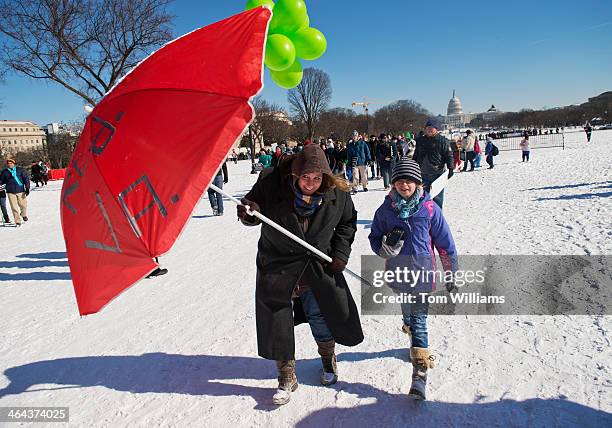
(36, 173)
(455, 145)
(588, 129)
(489, 152)
(524, 145)
(215, 198)
(478, 153)
(5, 216)
(434, 156)
(409, 209)
(386, 157)
(45, 172)
(17, 189)
(293, 286)
(358, 153)
(374, 166)
(468, 146)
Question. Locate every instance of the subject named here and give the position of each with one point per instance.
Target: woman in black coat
(293, 285)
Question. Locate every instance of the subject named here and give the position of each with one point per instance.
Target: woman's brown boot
(287, 382)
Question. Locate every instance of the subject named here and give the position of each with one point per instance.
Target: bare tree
(339, 123)
(401, 116)
(271, 124)
(310, 98)
(84, 45)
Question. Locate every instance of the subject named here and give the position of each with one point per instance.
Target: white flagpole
(285, 232)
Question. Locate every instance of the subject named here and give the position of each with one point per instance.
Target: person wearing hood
(17, 183)
(278, 156)
(294, 286)
(409, 209)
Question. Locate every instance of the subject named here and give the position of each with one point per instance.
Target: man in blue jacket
(358, 156)
(17, 189)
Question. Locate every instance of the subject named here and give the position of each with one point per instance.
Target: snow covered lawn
(180, 349)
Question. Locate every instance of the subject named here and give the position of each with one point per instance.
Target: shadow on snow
(208, 375)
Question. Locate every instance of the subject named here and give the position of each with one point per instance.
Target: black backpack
(495, 150)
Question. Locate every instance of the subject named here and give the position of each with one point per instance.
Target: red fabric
(163, 131)
(57, 174)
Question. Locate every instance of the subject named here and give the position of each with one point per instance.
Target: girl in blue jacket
(409, 208)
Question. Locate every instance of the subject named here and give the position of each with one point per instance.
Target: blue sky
(514, 54)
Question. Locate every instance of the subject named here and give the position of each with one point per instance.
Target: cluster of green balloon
(290, 37)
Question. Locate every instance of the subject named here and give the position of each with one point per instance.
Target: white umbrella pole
(285, 232)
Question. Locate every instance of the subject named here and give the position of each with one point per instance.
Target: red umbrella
(150, 148)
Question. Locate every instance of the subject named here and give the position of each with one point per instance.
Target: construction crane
(365, 103)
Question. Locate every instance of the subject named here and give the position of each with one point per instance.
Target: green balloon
(289, 78)
(309, 43)
(280, 52)
(288, 17)
(306, 23)
(256, 3)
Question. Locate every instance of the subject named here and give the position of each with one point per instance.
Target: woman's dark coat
(281, 262)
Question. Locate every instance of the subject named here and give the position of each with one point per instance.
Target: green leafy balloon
(280, 52)
(256, 3)
(309, 43)
(289, 16)
(289, 78)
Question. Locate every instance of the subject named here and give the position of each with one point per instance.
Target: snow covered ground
(180, 350)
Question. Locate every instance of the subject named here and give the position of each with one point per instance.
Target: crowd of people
(366, 158)
(15, 186)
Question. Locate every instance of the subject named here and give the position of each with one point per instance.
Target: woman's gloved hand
(337, 265)
(243, 215)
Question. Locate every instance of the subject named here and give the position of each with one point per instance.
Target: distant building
(456, 118)
(602, 104)
(61, 128)
(489, 115)
(17, 136)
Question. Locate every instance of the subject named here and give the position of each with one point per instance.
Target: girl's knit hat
(407, 169)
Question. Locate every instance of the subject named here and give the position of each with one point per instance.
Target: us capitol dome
(454, 106)
(456, 118)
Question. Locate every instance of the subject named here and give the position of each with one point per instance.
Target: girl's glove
(387, 251)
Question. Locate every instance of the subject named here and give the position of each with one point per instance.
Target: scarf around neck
(305, 206)
(13, 172)
(405, 207)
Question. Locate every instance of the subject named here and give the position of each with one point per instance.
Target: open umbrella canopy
(150, 148)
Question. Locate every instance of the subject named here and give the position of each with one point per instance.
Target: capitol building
(456, 118)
